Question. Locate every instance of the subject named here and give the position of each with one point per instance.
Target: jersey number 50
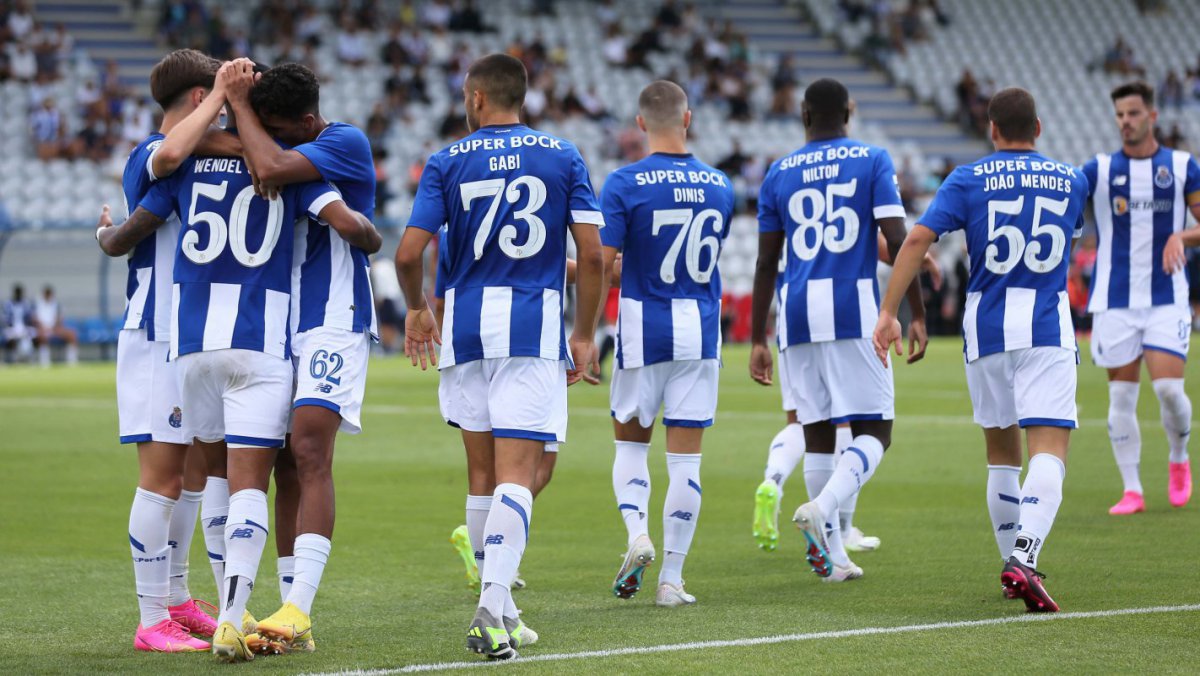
(1017, 248)
(233, 232)
(814, 220)
(494, 188)
(691, 230)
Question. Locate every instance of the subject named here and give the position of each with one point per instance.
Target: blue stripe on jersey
(468, 303)
(1162, 286)
(526, 333)
(253, 301)
(1118, 280)
(191, 323)
(315, 275)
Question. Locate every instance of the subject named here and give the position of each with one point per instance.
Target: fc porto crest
(176, 418)
(1163, 178)
(1120, 205)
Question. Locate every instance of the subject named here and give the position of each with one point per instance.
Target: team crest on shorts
(176, 418)
(1163, 178)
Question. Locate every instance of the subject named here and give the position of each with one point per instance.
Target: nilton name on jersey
(504, 143)
(1006, 174)
(676, 176)
(226, 165)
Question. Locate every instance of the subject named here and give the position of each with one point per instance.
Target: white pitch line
(767, 640)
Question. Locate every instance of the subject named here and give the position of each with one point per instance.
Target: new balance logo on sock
(1031, 500)
(680, 514)
(172, 544)
(241, 533)
(216, 521)
(638, 482)
(493, 540)
(1007, 526)
(478, 556)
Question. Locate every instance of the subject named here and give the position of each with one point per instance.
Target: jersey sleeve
(613, 208)
(730, 206)
(443, 265)
(160, 199)
(1191, 184)
(1089, 176)
(885, 189)
(768, 208)
(342, 153)
(583, 205)
(429, 206)
(315, 196)
(945, 212)
(1086, 190)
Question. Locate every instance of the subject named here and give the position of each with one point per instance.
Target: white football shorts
(149, 398)
(686, 391)
(331, 372)
(785, 386)
(240, 396)
(515, 397)
(838, 381)
(1030, 386)
(1120, 336)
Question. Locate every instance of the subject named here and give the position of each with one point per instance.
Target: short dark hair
(662, 103)
(1135, 88)
(179, 72)
(1014, 113)
(501, 77)
(827, 102)
(289, 90)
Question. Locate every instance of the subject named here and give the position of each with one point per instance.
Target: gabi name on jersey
(999, 175)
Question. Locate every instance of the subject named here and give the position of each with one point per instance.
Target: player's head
(287, 100)
(18, 293)
(495, 83)
(663, 109)
(48, 292)
(1133, 103)
(183, 78)
(1014, 118)
(826, 107)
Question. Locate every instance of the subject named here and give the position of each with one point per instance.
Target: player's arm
(766, 268)
(611, 255)
(1174, 256)
(185, 137)
(904, 272)
(589, 278)
(571, 265)
(929, 264)
(420, 325)
(272, 165)
(894, 232)
(118, 240)
(439, 311)
(356, 229)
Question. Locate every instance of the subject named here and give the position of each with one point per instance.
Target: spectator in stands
(383, 195)
(310, 26)
(351, 46)
(20, 327)
(389, 303)
(1119, 60)
(1170, 92)
(436, 14)
(94, 141)
(137, 120)
(50, 328)
(734, 161)
(20, 21)
(1173, 139)
(49, 130)
(614, 48)
(378, 125)
(22, 63)
(393, 53)
(466, 18)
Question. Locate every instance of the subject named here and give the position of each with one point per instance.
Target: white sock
(681, 510)
(149, 519)
(1123, 432)
(845, 510)
(506, 534)
(72, 354)
(285, 570)
(312, 553)
(44, 355)
(214, 511)
(1004, 505)
(787, 449)
(478, 507)
(631, 485)
(179, 537)
(1040, 497)
(854, 469)
(245, 538)
(1176, 410)
(818, 467)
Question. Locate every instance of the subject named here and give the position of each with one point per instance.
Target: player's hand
(930, 265)
(760, 364)
(887, 333)
(237, 79)
(420, 337)
(105, 220)
(918, 339)
(586, 356)
(219, 82)
(1174, 257)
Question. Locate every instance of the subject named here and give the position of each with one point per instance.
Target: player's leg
(1167, 336)
(41, 339)
(196, 616)
(462, 395)
(990, 385)
(287, 513)
(69, 337)
(853, 538)
(545, 469)
(785, 453)
(634, 400)
(1117, 347)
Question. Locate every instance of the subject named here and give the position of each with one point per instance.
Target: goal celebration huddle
(250, 318)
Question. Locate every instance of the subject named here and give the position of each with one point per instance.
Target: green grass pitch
(394, 593)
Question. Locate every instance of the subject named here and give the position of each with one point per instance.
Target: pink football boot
(1131, 503)
(194, 618)
(1179, 485)
(167, 636)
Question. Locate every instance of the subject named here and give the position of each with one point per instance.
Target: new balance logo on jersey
(638, 482)
(493, 540)
(1031, 500)
(243, 533)
(679, 514)
(216, 521)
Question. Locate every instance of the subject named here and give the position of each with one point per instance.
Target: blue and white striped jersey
(1020, 210)
(332, 284)
(233, 267)
(443, 266)
(1138, 204)
(508, 195)
(148, 287)
(827, 197)
(669, 214)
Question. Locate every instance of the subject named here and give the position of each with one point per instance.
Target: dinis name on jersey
(676, 176)
(225, 165)
(1002, 175)
(504, 143)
